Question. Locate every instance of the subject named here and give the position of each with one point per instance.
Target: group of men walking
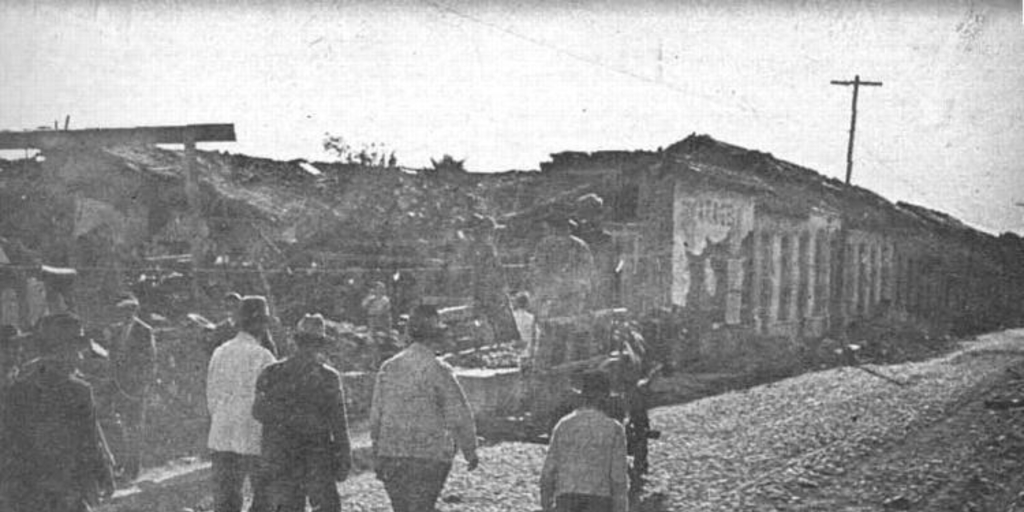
(283, 424)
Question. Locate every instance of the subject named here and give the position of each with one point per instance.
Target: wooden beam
(46, 139)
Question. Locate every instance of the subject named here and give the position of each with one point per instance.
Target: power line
(746, 107)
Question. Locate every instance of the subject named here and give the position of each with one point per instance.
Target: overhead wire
(744, 107)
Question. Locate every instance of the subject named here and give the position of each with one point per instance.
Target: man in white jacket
(235, 435)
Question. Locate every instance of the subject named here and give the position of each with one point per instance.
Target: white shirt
(524, 322)
(230, 391)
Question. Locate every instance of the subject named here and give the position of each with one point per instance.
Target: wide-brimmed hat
(594, 384)
(126, 300)
(312, 324)
(253, 310)
(64, 331)
(424, 323)
(589, 201)
(558, 216)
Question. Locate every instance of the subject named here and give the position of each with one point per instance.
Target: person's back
(301, 404)
(231, 388)
(45, 412)
(56, 456)
(235, 435)
(561, 273)
(410, 392)
(299, 388)
(418, 416)
(585, 469)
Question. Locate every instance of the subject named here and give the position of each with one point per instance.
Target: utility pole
(856, 83)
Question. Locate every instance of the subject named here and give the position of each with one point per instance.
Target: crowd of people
(282, 424)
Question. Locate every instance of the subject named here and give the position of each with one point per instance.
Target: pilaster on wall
(734, 297)
(888, 274)
(826, 262)
(852, 284)
(794, 277)
(776, 277)
(812, 273)
(876, 273)
(756, 304)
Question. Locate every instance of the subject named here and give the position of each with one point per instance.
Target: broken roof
(233, 179)
(782, 187)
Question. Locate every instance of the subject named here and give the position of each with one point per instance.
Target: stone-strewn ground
(841, 439)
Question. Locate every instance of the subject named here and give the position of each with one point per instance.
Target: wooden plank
(47, 139)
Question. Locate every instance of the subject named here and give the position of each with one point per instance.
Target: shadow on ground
(655, 502)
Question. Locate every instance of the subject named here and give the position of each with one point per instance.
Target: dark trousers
(582, 503)
(131, 415)
(305, 471)
(229, 472)
(413, 485)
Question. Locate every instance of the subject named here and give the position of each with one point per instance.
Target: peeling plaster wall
(700, 217)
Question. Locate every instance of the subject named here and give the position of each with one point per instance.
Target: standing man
(56, 458)
(589, 227)
(585, 469)
(134, 364)
(377, 306)
(561, 270)
(561, 276)
(301, 404)
(235, 436)
(525, 323)
(227, 328)
(490, 295)
(418, 417)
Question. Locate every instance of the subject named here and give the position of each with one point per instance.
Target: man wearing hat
(585, 469)
(235, 436)
(134, 365)
(418, 417)
(589, 216)
(56, 457)
(228, 327)
(490, 294)
(561, 275)
(301, 404)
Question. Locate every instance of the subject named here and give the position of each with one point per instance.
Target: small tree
(374, 154)
(447, 163)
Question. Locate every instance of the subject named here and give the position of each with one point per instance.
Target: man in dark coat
(55, 456)
(134, 364)
(301, 404)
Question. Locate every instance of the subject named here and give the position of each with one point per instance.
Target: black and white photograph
(524, 255)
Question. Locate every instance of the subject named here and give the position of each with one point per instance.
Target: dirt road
(839, 439)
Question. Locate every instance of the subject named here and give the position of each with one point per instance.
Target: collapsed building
(743, 241)
(749, 246)
(747, 249)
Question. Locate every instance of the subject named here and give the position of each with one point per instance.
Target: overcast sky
(503, 85)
